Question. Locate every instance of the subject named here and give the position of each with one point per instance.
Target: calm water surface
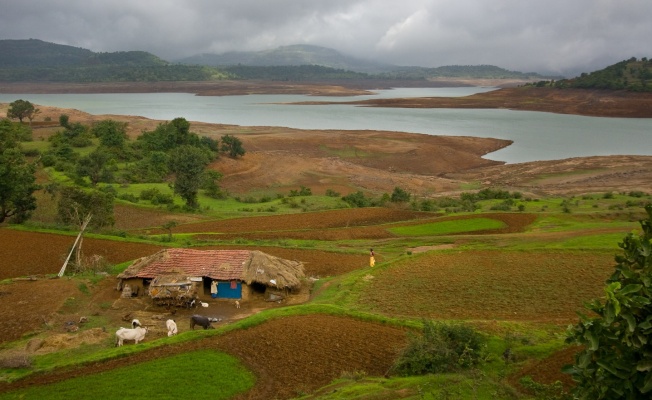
(536, 135)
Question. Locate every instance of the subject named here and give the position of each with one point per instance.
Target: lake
(536, 135)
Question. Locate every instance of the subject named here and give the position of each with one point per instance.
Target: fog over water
(536, 135)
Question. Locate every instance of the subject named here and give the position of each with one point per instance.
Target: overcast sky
(546, 36)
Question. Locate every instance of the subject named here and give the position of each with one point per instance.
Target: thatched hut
(222, 274)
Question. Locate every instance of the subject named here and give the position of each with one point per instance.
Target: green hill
(633, 75)
(34, 53)
(459, 71)
(34, 60)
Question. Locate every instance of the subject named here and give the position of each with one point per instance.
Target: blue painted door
(225, 290)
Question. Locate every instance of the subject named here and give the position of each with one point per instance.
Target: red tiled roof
(215, 264)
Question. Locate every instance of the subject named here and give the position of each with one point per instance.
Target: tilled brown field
(288, 355)
(31, 253)
(348, 217)
(548, 370)
(294, 226)
(541, 286)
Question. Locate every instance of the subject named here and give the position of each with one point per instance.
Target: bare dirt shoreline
(282, 159)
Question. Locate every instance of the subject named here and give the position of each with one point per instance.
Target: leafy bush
(129, 197)
(148, 194)
(441, 348)
(357, 199)
(304, 191)
(162, 198)
(332, 193)
(399, 195)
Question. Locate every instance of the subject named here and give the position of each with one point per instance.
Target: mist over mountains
(34, 59)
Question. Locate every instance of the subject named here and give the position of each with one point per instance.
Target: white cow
(136, 334)
(172, 327)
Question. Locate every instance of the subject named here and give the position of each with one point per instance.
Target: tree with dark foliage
(616, 360)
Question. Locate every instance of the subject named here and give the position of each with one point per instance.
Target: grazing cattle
(135, 334)
(135, 323)
(201, 321)
(172, 327)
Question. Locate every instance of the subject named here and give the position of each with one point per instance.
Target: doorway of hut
(225, 289)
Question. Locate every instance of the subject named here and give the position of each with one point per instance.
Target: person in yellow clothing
(372, 259)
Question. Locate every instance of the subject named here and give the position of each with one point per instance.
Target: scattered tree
(399, 195)
(210, 184)
(616, 360)
(188, 163)
(21, 109)
(75, 205)
(98, 166)
(232, 146)
(112, 134)
(64, 120)
(17, 179)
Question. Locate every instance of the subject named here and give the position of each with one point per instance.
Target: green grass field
(197, 375)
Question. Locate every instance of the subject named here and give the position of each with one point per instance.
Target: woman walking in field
(372, 259)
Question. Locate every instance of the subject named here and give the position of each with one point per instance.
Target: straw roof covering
(244, 265)
(273, 271)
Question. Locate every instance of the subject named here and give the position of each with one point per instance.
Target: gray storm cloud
(557, 36)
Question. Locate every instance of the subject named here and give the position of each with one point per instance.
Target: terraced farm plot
(379, 225)
(544, 286)
(288, 355)
(449, 227)
(349, 217)
(31, 253)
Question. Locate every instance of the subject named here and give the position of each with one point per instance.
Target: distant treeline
(113, 73)
(293, 73)
(633, 75)
(458, 71)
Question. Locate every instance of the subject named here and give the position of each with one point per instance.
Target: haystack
(272, 271)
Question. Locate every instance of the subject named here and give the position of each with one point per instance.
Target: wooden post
(81, 232)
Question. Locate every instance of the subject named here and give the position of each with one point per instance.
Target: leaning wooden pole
(81, 232)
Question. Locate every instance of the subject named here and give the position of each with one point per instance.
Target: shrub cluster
(441, 348)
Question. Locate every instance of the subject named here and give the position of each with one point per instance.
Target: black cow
(201, 321)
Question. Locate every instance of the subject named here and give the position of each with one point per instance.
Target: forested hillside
(633, 75)
(293, 73)
(38, 61)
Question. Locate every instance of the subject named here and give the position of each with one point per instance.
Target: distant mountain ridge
(37, 53)
(310, 55)
(293, 55)
(34, 60)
